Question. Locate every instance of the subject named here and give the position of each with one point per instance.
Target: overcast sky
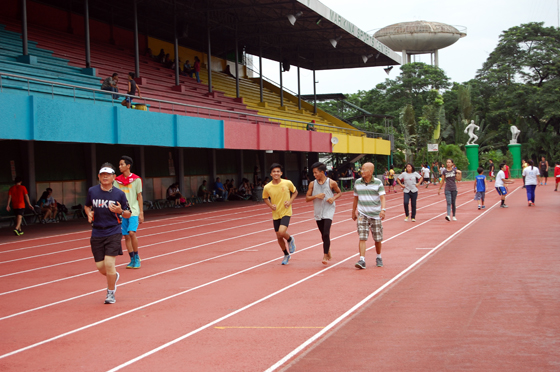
(485, 21)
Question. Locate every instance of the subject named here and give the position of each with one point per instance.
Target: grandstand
(54, 56)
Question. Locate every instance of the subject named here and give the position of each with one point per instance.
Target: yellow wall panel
(369, 145)
(383, 147)
(342, 145)
(355, 145)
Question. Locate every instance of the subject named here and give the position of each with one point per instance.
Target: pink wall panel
(239, 135)
(272, 137)
(298, 140)
(321, 142)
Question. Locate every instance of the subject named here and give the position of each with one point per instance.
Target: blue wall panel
(44, 119)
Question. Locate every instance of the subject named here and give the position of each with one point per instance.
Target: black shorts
(106, 246)
(284, 221)
(19, 212)
(427, 179)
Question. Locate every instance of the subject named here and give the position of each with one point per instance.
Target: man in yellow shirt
(281, 193)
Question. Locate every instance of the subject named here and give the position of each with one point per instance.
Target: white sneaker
(454, 219)
(406, 219)
(447, 218)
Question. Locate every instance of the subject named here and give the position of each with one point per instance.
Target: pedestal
(472, 156)
(515, 149)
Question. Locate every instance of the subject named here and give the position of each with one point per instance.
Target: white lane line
(208, 325)
(209, 283)
(377, 291)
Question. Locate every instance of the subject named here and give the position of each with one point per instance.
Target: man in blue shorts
(104, 207)
(500, 183)
(131, 185)
(282, 194)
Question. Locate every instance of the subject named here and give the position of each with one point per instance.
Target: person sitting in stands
(149, 53)
(48, 207)
(245, 189)
(196, 68)
(204, 193)
(132, 87)
(187, 69)
(174, 62)
(167, 62)
(265, 182)
(220, 189)
(311, 126)
(161, 56)
(110, 84)
(227, 71)
(174, 195)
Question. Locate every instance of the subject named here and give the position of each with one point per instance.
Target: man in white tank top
(323, 192)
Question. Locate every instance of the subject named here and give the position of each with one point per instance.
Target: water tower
(420, 37)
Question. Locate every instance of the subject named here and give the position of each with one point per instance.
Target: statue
(472, 137)
(514, 134)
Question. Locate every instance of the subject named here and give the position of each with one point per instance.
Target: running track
(212, 296)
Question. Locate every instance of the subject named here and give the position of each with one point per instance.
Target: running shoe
(116, 281)
(413, 220)
(137, 264)
(360, 264)
(131, 264)
(504, 206)
(20, 233)
(110, 299)
(454, 219)
(529, 204)
(447, 218)
(479, 207)
(405, 219)
(286, 259)
(292, 245)
(16, 231)
(379, 262)
(483, 207)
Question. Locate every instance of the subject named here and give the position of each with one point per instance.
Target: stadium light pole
(260, 70)
(236, 64)
(86, 31)
(176, 46)
(281, 87)
(209, 52)
(24, 27)
(314, 94)
(298, 87)
(136, 47)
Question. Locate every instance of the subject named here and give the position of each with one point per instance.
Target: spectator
(220, 189)
(161, 56)
(245, 189)
(304, 180)
(256, 179)
(197, 68)
(311, 126)
(17, 196)
(148, 53)
(132, 87)
(48, 207)
(167, 61)
(187, 69)
(266, 181)
(227, 71)
(204, 193)
(174, 195)
(110, 84)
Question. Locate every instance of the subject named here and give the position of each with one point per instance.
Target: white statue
(472, 137)
(514, 134)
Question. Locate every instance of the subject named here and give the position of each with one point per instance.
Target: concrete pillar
(209, 53)
(260, 72)
(213, 167)
(136, 46)
(180, 171)
(90, 151)
(404, 57)
(281, 87)
(236, 65)
(263, 165)
(240, 169)
(436, 57)
(86, 33)
(28, 159)
(24, 27)
(298, 87)
(314, 94)
(176, 44)
(139, 162)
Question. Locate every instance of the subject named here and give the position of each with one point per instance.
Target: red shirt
(18, 192)
(506, 171)
(197, 66)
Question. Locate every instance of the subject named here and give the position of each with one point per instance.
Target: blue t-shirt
(219, 186)
(480, 184)
(105, 222)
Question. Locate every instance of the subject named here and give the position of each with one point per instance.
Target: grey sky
(485, 21)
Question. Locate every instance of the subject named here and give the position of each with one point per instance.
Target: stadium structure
(57, 127)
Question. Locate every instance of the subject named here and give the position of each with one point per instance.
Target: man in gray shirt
(110, 84)
(323, 192)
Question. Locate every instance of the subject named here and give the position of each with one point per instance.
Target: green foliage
(454, 152)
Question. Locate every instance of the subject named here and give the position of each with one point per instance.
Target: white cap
(106, 170)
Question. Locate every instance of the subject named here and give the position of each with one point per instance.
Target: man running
(104, 206)
(131, 185)
(369, 210)
(17, 196)
(278, 190)
(491, 169)
(500, 185)
(323, 192)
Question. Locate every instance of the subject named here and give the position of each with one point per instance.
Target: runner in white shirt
(500, 188)
(425, 171)
(532, 179)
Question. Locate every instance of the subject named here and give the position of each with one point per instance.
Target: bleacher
(59, 54)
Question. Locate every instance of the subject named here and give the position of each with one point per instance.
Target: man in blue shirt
(220, 190)
(105, 206)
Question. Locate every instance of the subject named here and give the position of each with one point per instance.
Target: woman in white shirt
(409, 181)
(532, 179)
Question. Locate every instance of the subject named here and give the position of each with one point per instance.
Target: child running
(450, 176)
(323, 192)
(557, 174)
(278, 190)
(392, 178)
(531, 175)
(480, 188)
(104, 206)
(500, 183)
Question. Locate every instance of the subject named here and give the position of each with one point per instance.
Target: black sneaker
(360, 264)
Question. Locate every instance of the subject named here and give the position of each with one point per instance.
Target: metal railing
(183, 108)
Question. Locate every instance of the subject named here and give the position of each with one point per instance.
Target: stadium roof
(260, 24)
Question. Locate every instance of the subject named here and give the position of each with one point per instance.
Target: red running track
(211, 294)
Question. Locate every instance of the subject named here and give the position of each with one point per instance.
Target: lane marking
(268, 327)
(377, 291)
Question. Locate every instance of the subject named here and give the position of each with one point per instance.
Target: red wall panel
(321, 142)
(239, 135)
